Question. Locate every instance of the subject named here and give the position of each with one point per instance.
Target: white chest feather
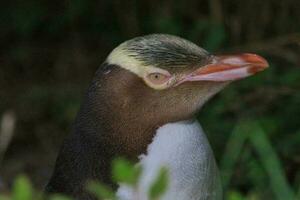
(183, 148)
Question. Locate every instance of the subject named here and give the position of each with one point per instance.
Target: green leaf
(215, 37)
(100, 191)
(124, 171)
(169, 25)
(2, 197)
(160, 184)
(22, 189)
(234, 195)
(298, 193)
(59, 197)
(270, 161)
(233, 150)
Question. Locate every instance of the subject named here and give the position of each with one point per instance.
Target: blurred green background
(49, 51)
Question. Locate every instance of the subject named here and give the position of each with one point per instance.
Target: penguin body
(183, 148)
(139, 106)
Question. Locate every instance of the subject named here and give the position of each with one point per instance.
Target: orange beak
(229, 68)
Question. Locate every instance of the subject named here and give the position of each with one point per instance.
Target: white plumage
(183, 148)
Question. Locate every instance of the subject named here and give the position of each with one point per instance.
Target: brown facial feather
(135, 110)
(119, 117)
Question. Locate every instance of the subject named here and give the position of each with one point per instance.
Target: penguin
(141, 105)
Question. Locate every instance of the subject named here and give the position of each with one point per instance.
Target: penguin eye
(158, 78)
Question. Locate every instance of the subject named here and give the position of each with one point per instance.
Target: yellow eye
(158, 78)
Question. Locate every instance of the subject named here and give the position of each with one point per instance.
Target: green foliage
(169, 25)
(252, 132)
(215, 37)
(4, 197)
(233, 195)
(59, 197)
(127, 173)
(271, 162)
(124, 171)
(100, 191)
(22, 189)
(159, 185)
(233, 150)
(212, 34)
